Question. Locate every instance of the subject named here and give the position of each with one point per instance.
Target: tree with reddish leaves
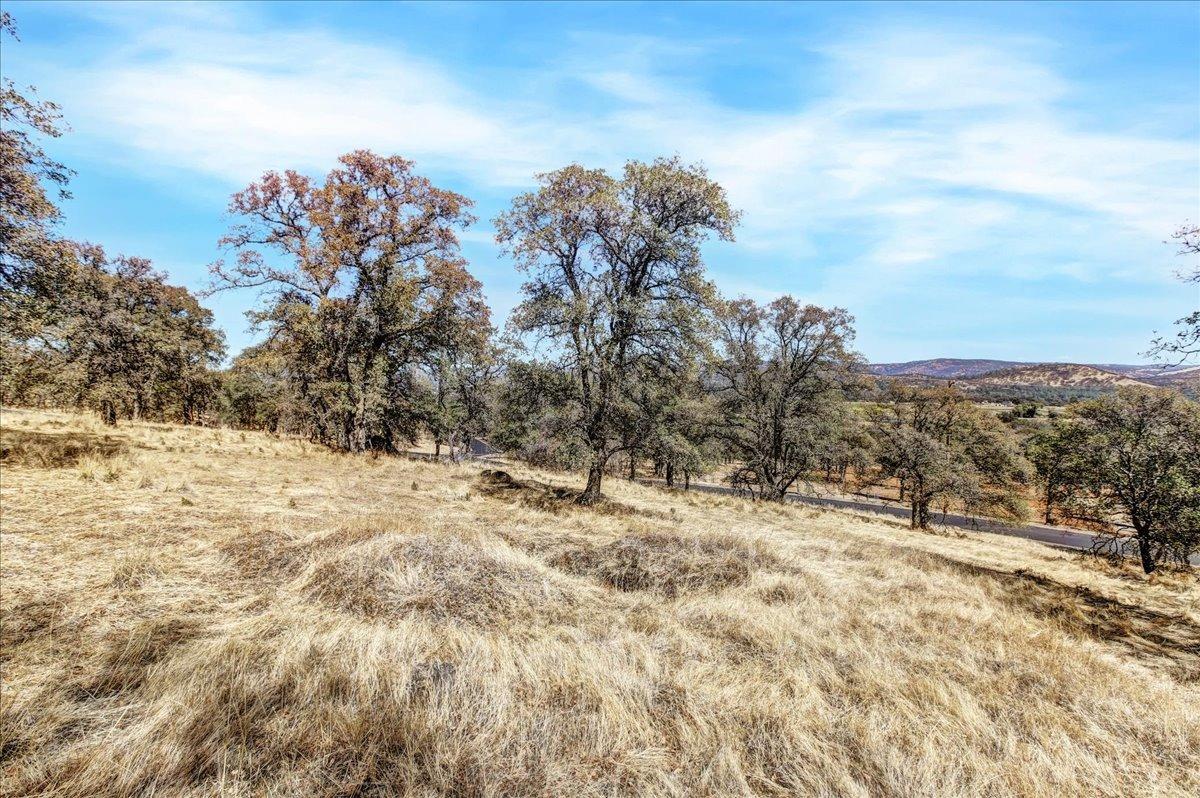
(361, 276)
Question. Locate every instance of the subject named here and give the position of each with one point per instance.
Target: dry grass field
(191, 612)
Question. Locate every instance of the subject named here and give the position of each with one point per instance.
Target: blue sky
(968, 180)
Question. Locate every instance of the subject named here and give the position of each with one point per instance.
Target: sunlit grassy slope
(191, 612)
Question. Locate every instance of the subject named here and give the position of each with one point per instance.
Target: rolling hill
(200, 612)
(1054, 375)
(985, 374)
(1153, 373)
(943, 368)
(1187, 378)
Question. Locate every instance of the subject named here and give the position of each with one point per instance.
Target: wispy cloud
(925, 152)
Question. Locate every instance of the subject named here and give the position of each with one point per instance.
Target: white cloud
(209, 95)
(931, 150)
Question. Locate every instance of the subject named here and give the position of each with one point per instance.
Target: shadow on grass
(1154, 637)
(21, 448)
(543, 496)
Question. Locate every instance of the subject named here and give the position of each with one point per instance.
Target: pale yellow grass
(191, 612)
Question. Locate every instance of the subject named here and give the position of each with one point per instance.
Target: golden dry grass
(191, 612)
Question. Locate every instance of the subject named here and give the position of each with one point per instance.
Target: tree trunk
(670, 474)
(357, 438)
(108, 413)
(632, 466)
(1049, 502)
(359, 442)
(437, 450)
(687, 479)
(920, 513)
(1143, 539)
(591, 494)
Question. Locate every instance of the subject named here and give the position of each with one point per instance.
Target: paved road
(1058, 536)
(1062, 537)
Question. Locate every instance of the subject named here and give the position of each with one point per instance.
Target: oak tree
(1140, 455)
(941, 446)
(616, 279)
(1057, 453)
(33, 259)
(360, 273)
(125, 342)
(778, 381)
(461, 367)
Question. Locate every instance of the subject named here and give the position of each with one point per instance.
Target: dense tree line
(116, 337)
(77, 326)
(620, 357)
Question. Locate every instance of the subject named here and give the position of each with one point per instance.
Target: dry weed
(312, 626)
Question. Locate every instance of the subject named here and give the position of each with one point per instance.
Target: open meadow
(199, 612)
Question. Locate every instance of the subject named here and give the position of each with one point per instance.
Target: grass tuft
(667, 564)
(441, 579)
(35, 449)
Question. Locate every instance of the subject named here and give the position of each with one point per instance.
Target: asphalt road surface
(1062, 537)
(1059, 536)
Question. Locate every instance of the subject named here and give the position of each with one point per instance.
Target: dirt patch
(21, 448)
(666, 564)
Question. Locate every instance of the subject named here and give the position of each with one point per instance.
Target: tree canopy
(616, 280)
(362, 277)
(1137, 456)
(778, 378)
(941, 446)
(33, 259)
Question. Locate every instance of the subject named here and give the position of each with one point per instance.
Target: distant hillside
(1055, 375)
(945, 368)
(1186, 377)
(1153, 372)
(1014, 372)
